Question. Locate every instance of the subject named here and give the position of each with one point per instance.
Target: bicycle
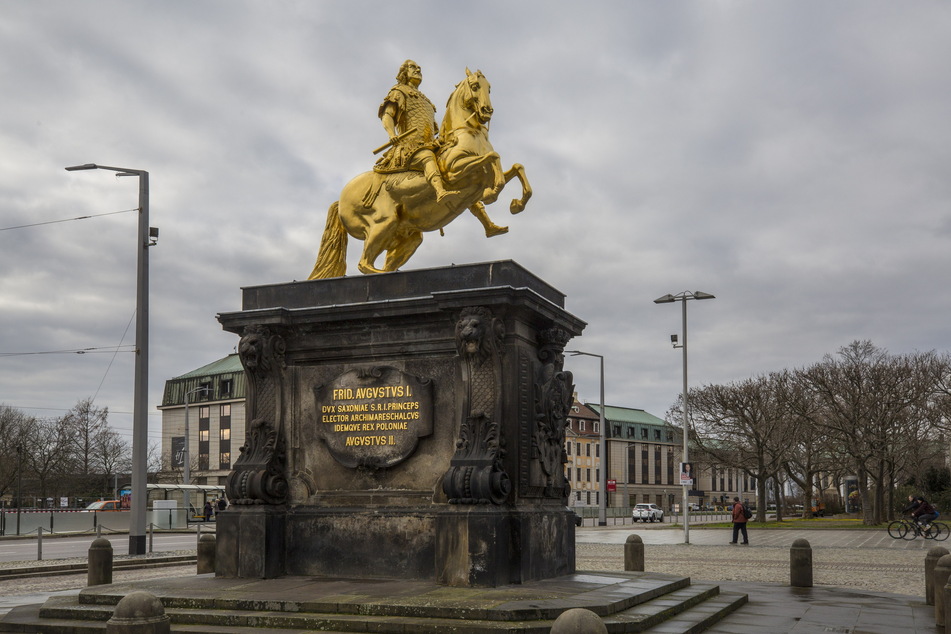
(910, 529)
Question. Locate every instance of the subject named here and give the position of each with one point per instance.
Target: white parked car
(647, 513)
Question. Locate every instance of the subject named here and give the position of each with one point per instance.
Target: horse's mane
(448, 124)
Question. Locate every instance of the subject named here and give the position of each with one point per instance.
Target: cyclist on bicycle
(924, 513)
(912, 505)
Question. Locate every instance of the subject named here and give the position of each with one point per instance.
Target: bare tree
(85, 421)
(872, 407)
(14, 425)
(46, 449)
(743, 425)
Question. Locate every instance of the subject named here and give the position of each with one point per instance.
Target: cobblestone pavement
(858, 560)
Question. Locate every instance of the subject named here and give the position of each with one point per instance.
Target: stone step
(684, 609)
(689, 618)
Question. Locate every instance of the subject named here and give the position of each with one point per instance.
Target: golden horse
(390, 212)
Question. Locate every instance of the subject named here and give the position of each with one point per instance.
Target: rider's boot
(435, 179)
(491, 229)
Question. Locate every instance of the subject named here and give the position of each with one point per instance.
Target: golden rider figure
(410, 120)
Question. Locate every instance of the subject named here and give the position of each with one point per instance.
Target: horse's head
(472, 101)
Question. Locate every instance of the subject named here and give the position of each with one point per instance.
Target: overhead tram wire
(52, 222)
(101, 350)
(111, 361)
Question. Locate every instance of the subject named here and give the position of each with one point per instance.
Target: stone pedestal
(403, 425)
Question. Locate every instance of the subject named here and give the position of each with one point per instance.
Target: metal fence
(26, 522)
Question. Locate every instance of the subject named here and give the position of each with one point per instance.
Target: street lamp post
(186, 475)
(140, 423)
(669, 299)
(603, 473)
(19, 484)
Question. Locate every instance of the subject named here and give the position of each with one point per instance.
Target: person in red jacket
(739, 522)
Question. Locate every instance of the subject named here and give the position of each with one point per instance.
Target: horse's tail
(332, 257)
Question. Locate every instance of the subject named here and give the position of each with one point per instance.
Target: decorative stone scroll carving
(554, 390)
(475, 475)
(258, 473)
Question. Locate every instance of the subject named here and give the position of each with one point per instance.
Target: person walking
(739, 522)
(208, 511)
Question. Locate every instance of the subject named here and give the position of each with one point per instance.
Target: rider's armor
(413, 110)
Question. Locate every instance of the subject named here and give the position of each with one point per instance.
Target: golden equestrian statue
(424, 181)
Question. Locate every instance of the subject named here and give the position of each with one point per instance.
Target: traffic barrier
(942, 571)
(578, 620)
(934, 554)
(100, 562)
(206, 553)
(634, 554)
(800, 564)
(139, 612)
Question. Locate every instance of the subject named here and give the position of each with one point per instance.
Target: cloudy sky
(791, 158)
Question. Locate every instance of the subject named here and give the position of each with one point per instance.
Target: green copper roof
(229, 364)
(626, 415)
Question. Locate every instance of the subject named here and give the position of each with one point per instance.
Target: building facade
(644, 454)
(582, 446)
(216, 396)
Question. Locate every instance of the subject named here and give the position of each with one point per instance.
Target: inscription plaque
(374, 417)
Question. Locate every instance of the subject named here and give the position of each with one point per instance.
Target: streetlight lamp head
(87, 166)
(666, 299)
(673, 339)
(702, 295)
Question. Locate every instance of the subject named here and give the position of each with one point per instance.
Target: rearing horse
(390, 212)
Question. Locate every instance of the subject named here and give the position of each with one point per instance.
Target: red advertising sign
(612, 485)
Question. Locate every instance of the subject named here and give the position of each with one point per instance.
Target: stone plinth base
(407, 425)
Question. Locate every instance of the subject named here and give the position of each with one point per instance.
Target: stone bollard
(206, 553)
(139, 613)
(942, 570)
(934, 554)
(579, 621)
(100, 562)
(634, 553)
(946, 600)
(800, 564)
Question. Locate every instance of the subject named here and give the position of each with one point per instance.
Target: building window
(657, 479)
(587, 474)
(226, 387)
(670, 436)
(656, 434)
(616, 431)
(597, 428)
(204, 431)
(224, 436)
(577, 474)
(587, 449)
(630, 432)
(670, 466)
(568, 448)
(581, 425)
(597, 450)
(589, 497)
(597, 475)
(631, 464)
(645, 473)
(643, 433)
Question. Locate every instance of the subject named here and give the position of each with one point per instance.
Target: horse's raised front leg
(491, 194)
(518, 204)
(491, 229)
